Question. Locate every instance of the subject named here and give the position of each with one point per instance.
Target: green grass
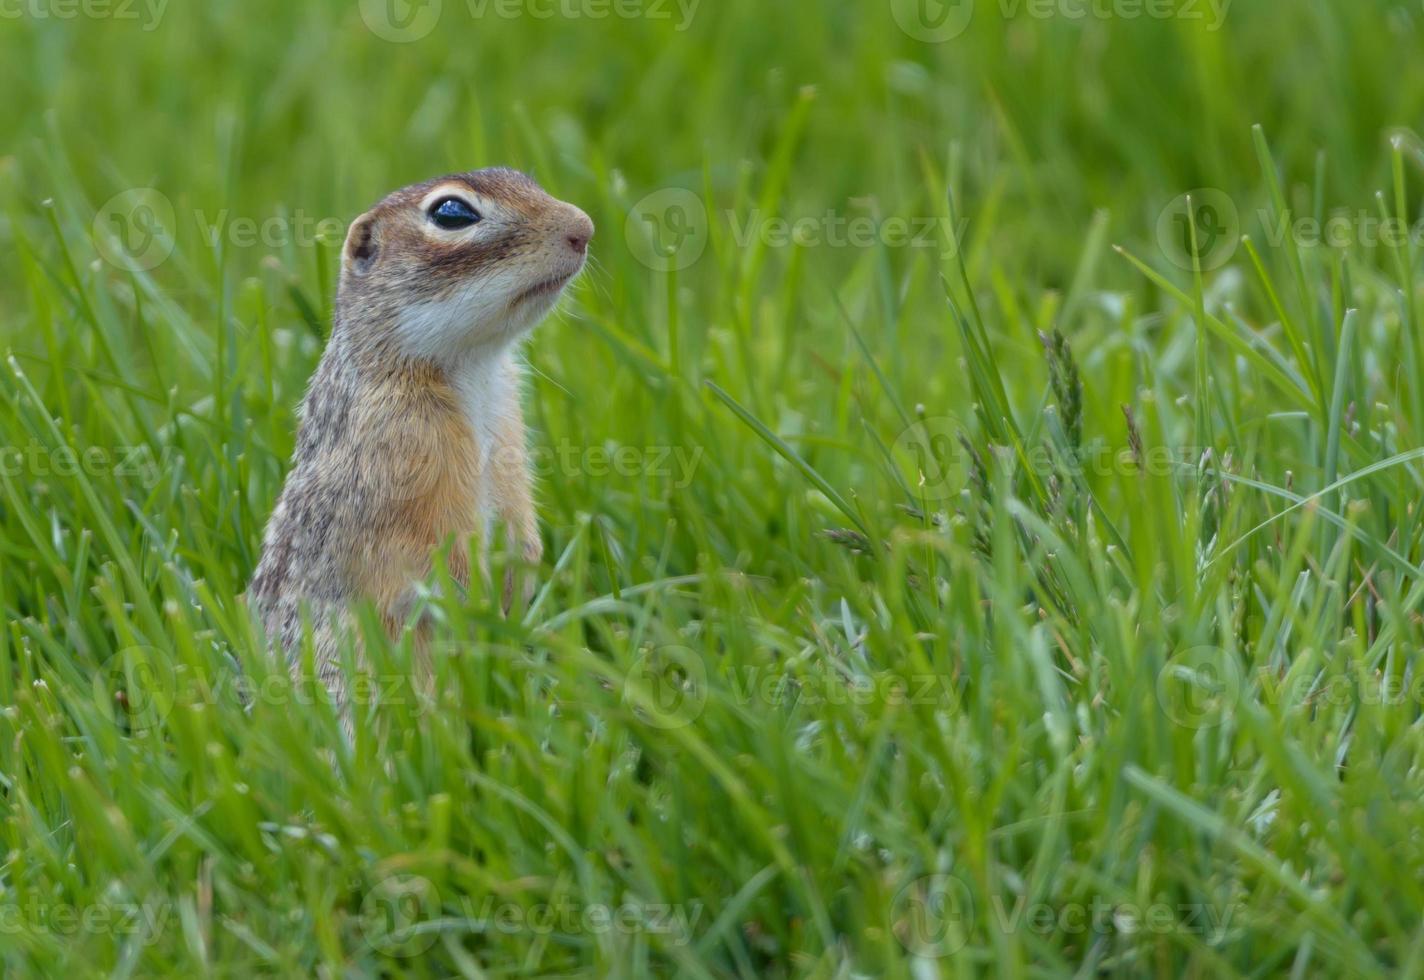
(1127, 682)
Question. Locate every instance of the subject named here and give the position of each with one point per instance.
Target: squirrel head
(458, 263)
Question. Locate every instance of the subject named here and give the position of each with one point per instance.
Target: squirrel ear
(361, 246)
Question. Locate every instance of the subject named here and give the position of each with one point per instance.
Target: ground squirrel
(411, 431)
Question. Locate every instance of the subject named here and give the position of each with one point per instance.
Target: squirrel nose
(580, 231)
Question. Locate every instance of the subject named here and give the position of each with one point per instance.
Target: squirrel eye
(451, 213)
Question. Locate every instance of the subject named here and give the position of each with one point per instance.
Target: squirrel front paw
(524, 574)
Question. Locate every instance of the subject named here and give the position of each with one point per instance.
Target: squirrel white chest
(487, 389)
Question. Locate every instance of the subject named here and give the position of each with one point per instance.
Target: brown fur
(412, 419)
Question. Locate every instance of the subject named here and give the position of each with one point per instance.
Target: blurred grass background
(1068, 635)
